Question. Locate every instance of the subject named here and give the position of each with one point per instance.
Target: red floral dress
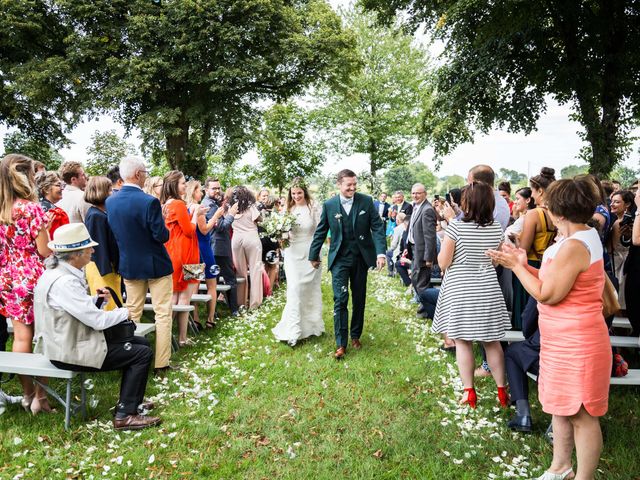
(20, 263)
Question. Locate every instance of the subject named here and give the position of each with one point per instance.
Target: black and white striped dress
(470, 305)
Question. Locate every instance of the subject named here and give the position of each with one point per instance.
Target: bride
(302, 315)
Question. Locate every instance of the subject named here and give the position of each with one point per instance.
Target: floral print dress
(20, 263)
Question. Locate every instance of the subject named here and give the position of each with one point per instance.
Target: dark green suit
(357, 239)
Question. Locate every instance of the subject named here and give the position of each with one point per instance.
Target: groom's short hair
(344, 174)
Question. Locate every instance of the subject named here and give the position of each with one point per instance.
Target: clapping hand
(202, 209)
(509, 257)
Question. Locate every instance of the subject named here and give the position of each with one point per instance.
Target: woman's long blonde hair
(17, 182)
(192, 187)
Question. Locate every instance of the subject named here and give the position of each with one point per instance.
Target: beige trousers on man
(161, 290)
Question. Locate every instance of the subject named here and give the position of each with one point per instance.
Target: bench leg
(83, 397)
(67, 406)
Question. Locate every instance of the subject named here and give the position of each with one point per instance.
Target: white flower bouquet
(277, 227)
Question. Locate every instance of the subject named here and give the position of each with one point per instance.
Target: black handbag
(122, 332)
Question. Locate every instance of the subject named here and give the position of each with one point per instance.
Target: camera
(447, 198)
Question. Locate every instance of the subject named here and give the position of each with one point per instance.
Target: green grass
(245, 406)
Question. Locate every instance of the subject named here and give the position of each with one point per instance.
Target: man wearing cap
(69, 327)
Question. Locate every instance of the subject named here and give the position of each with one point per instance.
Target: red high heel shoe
(469, 397)
(503, 397)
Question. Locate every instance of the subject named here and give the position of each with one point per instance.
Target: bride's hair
(298, 182)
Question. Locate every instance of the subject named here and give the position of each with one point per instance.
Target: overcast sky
(554, 144)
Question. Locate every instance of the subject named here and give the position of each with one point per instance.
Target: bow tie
(346, 201)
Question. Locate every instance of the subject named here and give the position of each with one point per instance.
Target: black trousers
(517, 362)
(403, 271)
(228, 272)
(420, 276)
(348, 272)
(134, 359)
(4, 334)
(632, 299)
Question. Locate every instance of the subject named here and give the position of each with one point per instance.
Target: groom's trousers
(349, 271)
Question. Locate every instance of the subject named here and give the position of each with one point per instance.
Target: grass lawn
(245, 406)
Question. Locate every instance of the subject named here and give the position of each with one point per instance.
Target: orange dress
(183, 242)
(575, 350)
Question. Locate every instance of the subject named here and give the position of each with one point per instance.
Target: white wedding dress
(302, 315)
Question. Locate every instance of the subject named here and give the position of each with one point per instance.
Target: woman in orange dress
(182, 245)
(575, 351)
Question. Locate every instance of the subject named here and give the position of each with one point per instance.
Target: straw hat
(71, 237)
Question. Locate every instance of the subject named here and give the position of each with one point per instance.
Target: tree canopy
(502, 58)
(105, 151)
(378, 112)
(18, 142)
(285, 146)
(402, 177)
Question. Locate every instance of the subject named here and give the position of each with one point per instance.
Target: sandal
(210, 324)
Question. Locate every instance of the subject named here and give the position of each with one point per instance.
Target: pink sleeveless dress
(575, 351)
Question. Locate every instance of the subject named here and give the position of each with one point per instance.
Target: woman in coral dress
(182, 245)
(23, 245)
(575, 351)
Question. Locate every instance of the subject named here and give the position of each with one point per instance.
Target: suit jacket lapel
(354, 211)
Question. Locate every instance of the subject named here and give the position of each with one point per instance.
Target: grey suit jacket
(423, 223)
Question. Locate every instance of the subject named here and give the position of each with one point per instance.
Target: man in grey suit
(422, 235)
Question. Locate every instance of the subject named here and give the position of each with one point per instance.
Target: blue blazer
(136, 221)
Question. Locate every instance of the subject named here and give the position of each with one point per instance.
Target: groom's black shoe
(355, 343)
(421, 309)
(520, 423)
(340, 353)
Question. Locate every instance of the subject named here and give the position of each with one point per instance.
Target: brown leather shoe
(355, 343)
(135, 422)
(340, 353)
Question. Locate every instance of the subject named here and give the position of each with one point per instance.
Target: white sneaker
(555, 476)
(7, 400)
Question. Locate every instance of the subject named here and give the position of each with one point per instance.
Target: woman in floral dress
(23, 245)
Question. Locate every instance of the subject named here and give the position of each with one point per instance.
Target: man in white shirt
(485, 174)
(72, 201)
(66, 314)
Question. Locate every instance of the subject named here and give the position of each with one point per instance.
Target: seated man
(69, 326)
(520, 358)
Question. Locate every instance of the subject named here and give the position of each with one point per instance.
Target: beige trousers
(161, 290)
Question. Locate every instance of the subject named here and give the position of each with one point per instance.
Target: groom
(357, 237)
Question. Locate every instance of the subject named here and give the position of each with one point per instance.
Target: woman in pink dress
(575, 351)
(23, 245)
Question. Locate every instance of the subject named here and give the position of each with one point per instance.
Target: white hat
(71, 237)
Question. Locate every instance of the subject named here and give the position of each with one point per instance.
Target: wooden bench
(148, 307)
(631, 378)
(142, 329)
(220, 288)
(37, 365)
(616, 340)
(621, 322)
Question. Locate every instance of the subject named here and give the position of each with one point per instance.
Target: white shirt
(69, 294)
(414, 216)
(73, 204)
(395, 240)
(501, 210)
(346, 203)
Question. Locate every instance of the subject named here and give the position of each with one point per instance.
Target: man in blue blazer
(137, 222)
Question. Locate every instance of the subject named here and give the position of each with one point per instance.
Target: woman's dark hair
(478, 203)
(456, 195)
(170, 183)
(243, 197)
(525, 192)
(625, 195)
(504, 187)
(541, 182)
(575, 199)
(597, 183)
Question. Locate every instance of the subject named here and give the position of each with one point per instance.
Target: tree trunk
(177, 147)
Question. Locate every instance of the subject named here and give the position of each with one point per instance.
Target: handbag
(193, 271)
(610, 304)
(122, 332)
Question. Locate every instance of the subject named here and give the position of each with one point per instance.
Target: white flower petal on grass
(152, 458)
(17, 440)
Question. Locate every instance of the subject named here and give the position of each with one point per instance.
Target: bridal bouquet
(277, 227)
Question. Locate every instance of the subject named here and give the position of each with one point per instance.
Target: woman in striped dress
(470, 305)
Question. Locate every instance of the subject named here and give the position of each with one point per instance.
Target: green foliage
(378, 111)
(17, 142)
(402, 177)
(503, 58)
(229, 174)
(190, 74)
(571, 171)
(451, 181)
(513, 176)
(285, 147)
(323, 186)
(105, 151)
(625, 175)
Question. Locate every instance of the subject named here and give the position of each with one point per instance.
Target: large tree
(501, 59)
(285, 146)
(378, 111)
(18, 142)
(402, 177)
(106, 150)
(191, 73)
